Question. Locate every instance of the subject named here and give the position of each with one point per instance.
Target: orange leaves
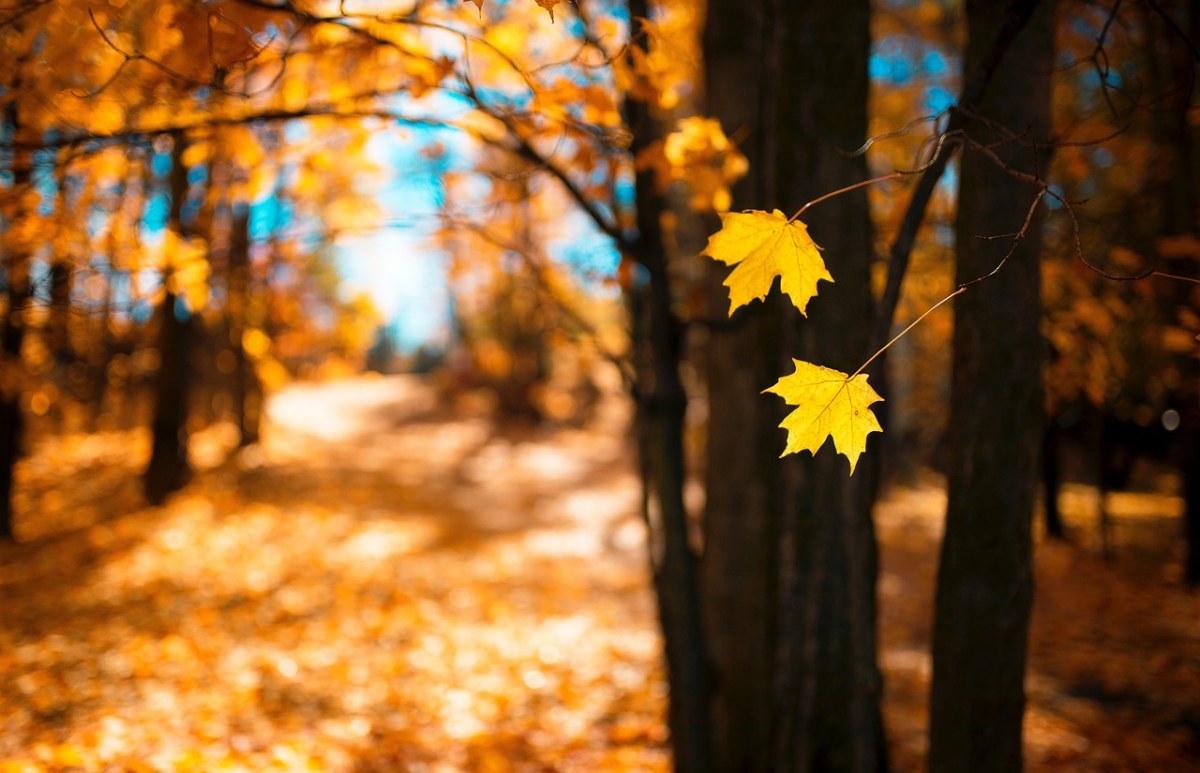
(156, 32)
(549, 6)
(185, 264)
(313, 611)
(698, 153)
(427, 74)
(571, 102)
(660, 74)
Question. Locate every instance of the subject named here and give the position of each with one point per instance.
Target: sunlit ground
(384, 585)
(380, 588)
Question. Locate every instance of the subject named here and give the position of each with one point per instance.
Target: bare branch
(972, 91)
(1174, 27)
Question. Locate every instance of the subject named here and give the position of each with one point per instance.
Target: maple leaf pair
(829, 403)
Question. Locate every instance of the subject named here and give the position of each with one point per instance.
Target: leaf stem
(933, 159)
(847, 189)
(958, 291)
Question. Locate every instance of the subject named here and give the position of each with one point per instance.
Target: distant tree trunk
(247, 396)
(168, 469)
(790, 558)
(1191, 201)
(1191, 493)
(661, 405)
(61, 274)
(985, 578)
(1177, 77)
(519, 325)
(11, 370)
(1051, 480)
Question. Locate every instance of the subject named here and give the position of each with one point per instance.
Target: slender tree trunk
(62, 269)
(247, 391)
(789, 563)
(985, 578)
(1177, 142)
(168, 469)
(1051, 481)
(11, 370)
(1191, 492)
(1191, 198)
(661, 406)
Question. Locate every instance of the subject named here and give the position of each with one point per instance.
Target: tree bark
(789, 565)
(62, 269)
(11, 370)
(661, 405)
(743, 477)
(1179, 77)
(985, 578)
(1051, 481)
(1191, 495)
(168, 469)
(247, 391)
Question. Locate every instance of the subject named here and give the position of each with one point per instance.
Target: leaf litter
(483, 609)
(383, 587)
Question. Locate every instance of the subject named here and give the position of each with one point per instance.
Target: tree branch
(972, 91)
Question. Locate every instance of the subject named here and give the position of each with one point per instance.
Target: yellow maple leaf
(765, 245)
(828, 404)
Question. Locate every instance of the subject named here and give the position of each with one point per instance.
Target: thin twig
(1187, 40)
(893, 133)
(904, 332)
(895, 175)
(1017, 238)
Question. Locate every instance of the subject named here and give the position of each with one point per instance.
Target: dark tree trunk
(1177, 141)
(789, 564)
(168, 469)
(62, 267)
(1191, 493)
(661, 406)
(1051, 480)
(985, 579)
(11, 370)
(247, 391)
(743, 478)
(827, 654)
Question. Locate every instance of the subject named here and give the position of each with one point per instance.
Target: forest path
(384, 585)
(378, 586)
